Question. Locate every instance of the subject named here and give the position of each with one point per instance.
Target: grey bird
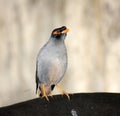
(52, 63)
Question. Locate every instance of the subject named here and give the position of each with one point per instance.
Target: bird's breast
(56, 71)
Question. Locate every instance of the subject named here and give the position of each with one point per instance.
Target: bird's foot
(44, 92)
(50, 95)
(63, 92)
(45, 97)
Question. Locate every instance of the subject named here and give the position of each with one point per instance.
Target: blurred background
(93, 45)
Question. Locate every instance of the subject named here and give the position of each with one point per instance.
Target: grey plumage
(51, 62)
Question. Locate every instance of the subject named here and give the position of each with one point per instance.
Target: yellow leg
(44, 92)
(63, 92)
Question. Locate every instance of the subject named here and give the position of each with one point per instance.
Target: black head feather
(57, 33)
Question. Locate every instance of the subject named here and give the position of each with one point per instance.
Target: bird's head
(59, 33)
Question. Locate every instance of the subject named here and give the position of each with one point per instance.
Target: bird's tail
(37, 89)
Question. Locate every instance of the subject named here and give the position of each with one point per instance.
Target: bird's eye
(56, 32)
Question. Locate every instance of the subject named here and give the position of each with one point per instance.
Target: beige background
(93, 45)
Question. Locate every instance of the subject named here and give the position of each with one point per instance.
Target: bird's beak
(65, 31)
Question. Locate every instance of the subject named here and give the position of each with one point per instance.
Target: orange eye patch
(56, 32)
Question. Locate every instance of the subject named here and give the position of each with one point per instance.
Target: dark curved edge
(81, 104)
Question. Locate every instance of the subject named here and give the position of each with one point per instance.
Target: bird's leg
(63, 92)
(44, 92)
